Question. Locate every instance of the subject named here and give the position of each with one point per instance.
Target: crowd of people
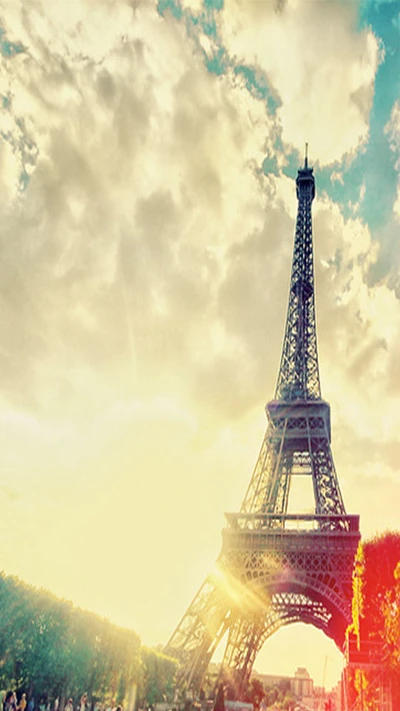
(10, 702)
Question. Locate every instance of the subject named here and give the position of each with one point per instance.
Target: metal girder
(200, 630)
(297, 442)
(299, 373)
(247, 636)
(275, 567)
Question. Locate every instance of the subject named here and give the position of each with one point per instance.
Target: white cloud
(128, 212)
(76, 30)
(194, 6)
(392, 130)
(322, 68)
(358, 324)
(10, 171)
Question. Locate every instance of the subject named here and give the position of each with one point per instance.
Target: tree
(271, 695)
(49, 645)
(255, 693)
(378, 558)
(158, 676)
(376, 606)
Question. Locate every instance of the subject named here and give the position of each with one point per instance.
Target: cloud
(392, 130)
(326, 94)
(357, 322)
(386, 267)
(138, 253)
(10, 492)
(111, 254)
(250, 314)
(193, 5)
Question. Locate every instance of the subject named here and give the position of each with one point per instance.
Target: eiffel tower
(275, 567)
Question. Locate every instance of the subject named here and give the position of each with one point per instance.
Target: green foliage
(158, 675)
(47, 645)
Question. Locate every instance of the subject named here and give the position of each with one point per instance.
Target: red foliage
(379, 584)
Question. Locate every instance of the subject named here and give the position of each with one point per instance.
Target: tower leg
(201, 629)
(246, 637)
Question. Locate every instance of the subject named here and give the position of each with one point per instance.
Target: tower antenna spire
(306, 156)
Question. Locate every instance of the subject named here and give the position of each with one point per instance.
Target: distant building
(301, 685)
(272, 679)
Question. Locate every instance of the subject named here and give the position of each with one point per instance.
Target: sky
(147, 205)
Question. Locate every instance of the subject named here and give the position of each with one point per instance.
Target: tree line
(49, 649)
(376, 620)
(277, 696)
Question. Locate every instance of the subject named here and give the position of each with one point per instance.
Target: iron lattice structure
(276, 567)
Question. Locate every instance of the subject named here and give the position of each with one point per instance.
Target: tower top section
(305, 182)
(298, 377)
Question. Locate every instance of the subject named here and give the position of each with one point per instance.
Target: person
(83, 702)
(7, 701)
(69, 706)
(22, 703)
(10, 703)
